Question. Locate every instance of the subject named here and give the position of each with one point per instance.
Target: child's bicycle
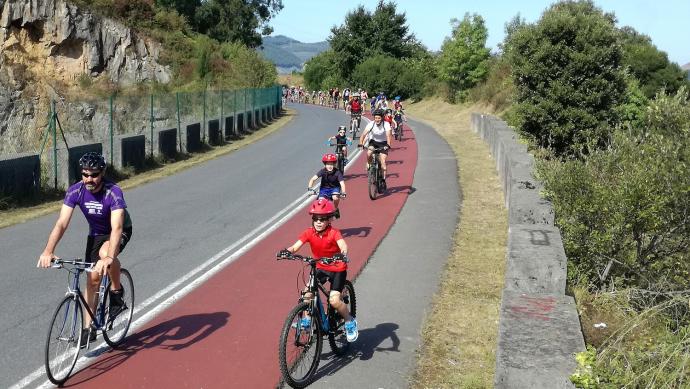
(65, 333)
(300, 346)
(342, 161)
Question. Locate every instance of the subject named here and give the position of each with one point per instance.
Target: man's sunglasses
(92, 175)
(319, 219)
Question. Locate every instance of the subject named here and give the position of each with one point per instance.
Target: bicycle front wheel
(337, 338)
(118, 322)
(300, 347)
(64, 340)
(373, 180)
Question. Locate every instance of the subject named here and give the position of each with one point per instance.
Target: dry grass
(20, 215)
(291, 79)
(460, 334)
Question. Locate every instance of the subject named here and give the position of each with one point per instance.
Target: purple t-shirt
(97, 206)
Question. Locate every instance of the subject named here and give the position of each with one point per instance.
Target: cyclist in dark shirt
(340, 142)
(332, 181)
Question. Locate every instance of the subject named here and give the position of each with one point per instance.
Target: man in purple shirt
(110, 228)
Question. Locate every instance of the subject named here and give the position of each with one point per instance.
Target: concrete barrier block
(20, 174)
(527, 207)
(536, 261)
(215, 137)
(250, 121)
(241, 123)
(538, 337)
(129, 150)
(230, 127)
(165, 143)
(191, 138)
(69, 171)
(519, 174)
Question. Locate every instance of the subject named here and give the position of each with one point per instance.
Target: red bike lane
(224, 334)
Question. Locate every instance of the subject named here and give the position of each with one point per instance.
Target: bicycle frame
(314, 287)
(97, 319)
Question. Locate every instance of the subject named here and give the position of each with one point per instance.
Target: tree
(650, 65)
(318, 69)
(464, 59)
(568, 77)
(365, 34)
(228, 20)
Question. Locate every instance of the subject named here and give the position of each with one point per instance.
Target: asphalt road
(180, 222)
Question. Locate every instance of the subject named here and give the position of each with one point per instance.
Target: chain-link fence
(40, 141)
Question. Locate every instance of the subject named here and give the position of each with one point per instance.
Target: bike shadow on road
(368, 343)
(399, 189)
(358, 232)
(174, 334)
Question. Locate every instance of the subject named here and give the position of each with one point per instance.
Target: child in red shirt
(326, 241)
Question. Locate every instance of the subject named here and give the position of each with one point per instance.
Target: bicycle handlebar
(59, 263)
(313, 261)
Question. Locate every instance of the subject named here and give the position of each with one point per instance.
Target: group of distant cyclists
(110, 226)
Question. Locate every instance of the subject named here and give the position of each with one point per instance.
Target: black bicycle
(65, 333)
(355, 121)
(300, 344)
(375, 183)
(398, 128)
(340, 154)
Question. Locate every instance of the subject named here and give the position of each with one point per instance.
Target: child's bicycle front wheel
(300, 345)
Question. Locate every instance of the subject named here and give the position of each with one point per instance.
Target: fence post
(112, 150)
(54, 128)
(151, 119)
(203, 134)
(222, 114)
(179, 127)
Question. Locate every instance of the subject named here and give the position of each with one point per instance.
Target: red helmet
(330, 157)
(322, 207)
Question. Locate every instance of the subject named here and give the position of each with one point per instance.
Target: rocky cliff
(46, 47)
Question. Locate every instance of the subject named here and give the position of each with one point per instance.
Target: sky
(663, 20)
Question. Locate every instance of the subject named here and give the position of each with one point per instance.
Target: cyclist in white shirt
(379, 134)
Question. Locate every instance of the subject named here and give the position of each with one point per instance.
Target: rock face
(52, 44)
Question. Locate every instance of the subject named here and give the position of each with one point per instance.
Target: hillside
(289, 54)
(686, 67)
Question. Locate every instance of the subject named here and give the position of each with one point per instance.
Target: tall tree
(568, 76)
(228, 20)
(365, 34)
(464, 59)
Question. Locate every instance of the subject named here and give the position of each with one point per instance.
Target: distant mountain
(289, 54)
(686, 67)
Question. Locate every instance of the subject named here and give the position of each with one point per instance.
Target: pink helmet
(329, 158)
(322, 207)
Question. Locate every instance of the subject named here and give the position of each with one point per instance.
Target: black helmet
(378, 112)
(92, 160)
(342, 128)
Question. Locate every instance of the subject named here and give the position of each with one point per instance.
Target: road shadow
(368, 343)
(399, 189)
(359, 232)
(173, 335)
(358, 175)
(394, 162)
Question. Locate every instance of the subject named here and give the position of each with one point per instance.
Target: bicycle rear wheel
(116, 328)
(341, 163)
(300, 348)
(337, 338)
(64, 340)
(373, 180)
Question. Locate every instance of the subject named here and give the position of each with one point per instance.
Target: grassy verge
(19, 215)
(460, 334)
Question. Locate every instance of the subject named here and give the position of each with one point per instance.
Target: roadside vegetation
(608, 117)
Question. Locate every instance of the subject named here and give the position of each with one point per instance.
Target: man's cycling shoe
(117, 303)
(351, 332)
(88, 335)
(304, 324)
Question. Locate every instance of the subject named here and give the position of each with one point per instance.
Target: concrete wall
(129, 150)
(539, 328)
(70, 160)
(20, 175)
(241, 123)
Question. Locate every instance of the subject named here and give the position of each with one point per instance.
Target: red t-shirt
(356, 106)
(324, 245)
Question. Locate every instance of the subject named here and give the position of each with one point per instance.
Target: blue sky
(665, 21)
